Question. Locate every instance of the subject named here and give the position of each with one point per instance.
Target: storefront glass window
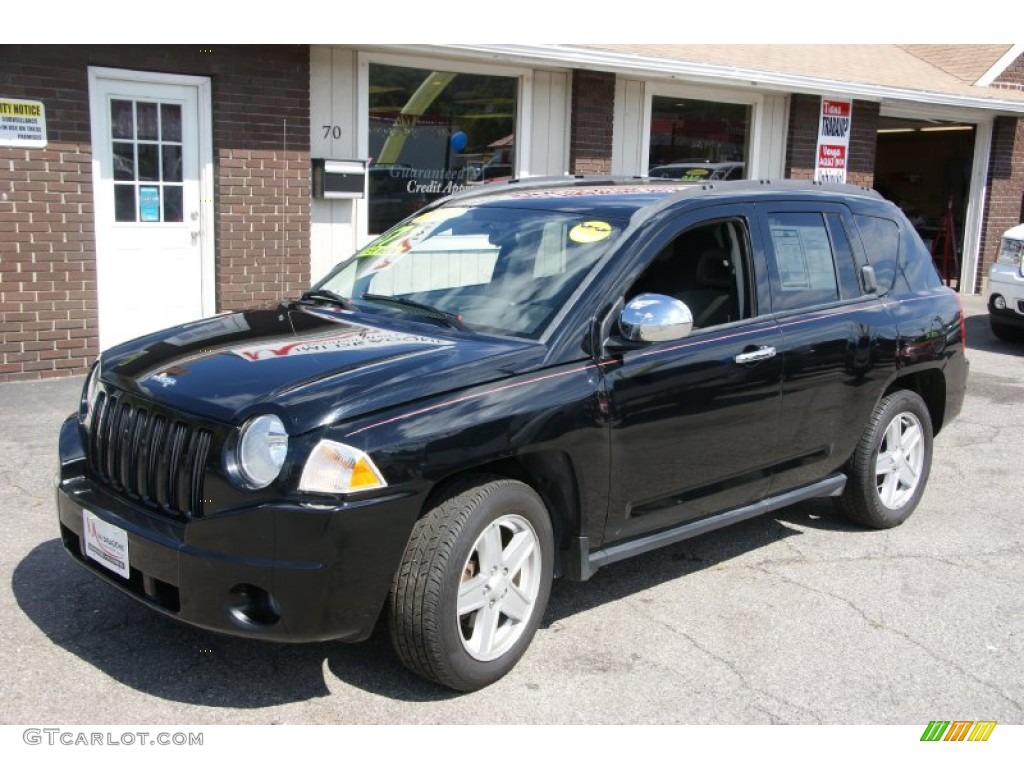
(433, 133)
(698, 140)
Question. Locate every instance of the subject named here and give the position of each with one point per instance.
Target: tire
(890, 466)
(473, 583)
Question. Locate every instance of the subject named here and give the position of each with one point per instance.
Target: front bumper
(1005, 280)
(287, 571)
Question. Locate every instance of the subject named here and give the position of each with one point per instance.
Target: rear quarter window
(881, 239)
(900, 260)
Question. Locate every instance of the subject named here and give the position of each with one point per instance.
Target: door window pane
(122, 124)
(170, 122)
(149, 162)
(433, 133)
(124, 202)
(124, 161)
(173, 204)
(148, 126)
(698, 140)
(172, 163)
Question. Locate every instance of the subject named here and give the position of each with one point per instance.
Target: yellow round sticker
(590, 231)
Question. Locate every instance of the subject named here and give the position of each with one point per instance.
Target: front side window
(495, 269)
(433, 133)
(705, 267)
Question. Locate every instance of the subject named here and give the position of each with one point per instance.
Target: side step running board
(581, 563)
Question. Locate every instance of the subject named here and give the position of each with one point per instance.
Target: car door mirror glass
(652, 317)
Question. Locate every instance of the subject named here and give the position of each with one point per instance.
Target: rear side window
(881, 238)
(804, 271)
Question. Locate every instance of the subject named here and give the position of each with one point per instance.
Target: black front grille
(152, 457)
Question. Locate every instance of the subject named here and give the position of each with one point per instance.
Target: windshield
(495, 269)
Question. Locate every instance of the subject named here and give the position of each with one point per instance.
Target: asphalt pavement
(796, 617)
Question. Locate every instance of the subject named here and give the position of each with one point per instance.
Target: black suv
(520, 382)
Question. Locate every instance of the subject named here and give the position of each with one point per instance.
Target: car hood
(312, 366)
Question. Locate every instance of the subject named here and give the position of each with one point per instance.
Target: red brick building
(175, 182)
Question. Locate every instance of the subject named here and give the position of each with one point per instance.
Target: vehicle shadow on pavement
(675, 561)
(980, 337)
(160, 657)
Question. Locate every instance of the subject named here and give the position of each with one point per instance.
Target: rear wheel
(473, 583)
(890, 467)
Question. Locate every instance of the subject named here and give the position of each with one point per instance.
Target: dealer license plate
(105, 543)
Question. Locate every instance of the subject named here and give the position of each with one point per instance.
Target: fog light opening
(998, 302)
(249, 605)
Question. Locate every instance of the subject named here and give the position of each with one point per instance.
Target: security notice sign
(22, 123)
(833, 140)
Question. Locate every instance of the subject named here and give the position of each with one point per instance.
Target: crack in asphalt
(878, 624)
(729, 665)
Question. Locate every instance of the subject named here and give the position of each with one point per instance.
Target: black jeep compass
(525, 381)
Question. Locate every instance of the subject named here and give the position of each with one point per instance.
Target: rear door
(837, 340)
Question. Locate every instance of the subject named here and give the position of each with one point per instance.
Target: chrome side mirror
(654, 317)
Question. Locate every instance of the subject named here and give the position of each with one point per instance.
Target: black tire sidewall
(896, 404)
(503, 498)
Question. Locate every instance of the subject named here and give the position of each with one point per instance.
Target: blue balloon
(459, 141)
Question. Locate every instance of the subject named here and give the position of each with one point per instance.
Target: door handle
(755, 356)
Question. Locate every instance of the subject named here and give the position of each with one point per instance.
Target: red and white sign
(834, 125)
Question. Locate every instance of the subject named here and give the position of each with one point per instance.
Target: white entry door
(151, 169)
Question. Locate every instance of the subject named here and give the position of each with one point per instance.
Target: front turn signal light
(334, 467)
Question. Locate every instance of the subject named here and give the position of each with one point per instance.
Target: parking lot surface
(795, 617)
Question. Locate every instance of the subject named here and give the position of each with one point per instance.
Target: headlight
(338, 468)
(261, 451)
(89, 396)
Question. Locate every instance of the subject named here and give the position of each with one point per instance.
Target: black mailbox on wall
(339, 179)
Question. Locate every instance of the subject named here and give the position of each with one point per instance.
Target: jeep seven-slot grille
(151, 457)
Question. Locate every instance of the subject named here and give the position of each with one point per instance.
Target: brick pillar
(802, 142)
(1004, 192)
(593, 112)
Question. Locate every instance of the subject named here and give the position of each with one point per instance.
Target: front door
(695, 422)
(153, 251)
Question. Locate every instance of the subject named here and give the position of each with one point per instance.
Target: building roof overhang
(931, 86)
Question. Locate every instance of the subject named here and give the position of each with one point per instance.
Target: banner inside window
(433, 133)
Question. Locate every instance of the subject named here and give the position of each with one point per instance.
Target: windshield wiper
(448, 318)
(323, 294)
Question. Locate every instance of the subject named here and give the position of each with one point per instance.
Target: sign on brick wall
(22, 123)
(834, 123)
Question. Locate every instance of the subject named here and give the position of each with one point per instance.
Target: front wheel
(890, 467)
(473, 583)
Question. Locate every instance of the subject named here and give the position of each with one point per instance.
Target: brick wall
(593, 112)
(802, 142)
(1012, 76)
(48, 311)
